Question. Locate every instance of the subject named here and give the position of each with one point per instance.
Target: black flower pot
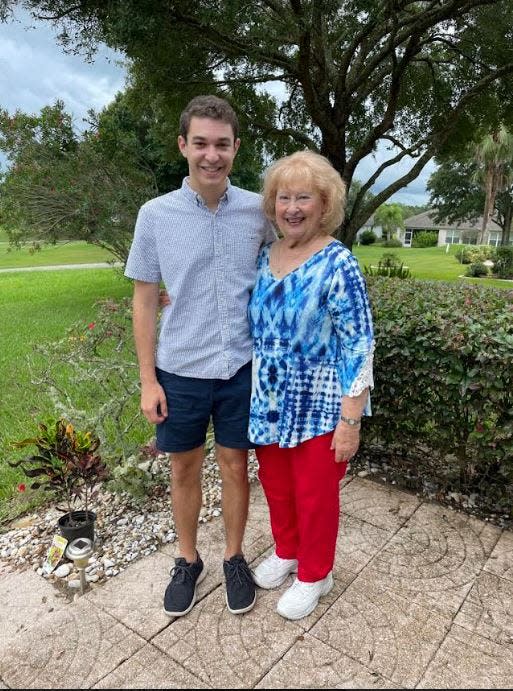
(84, 525)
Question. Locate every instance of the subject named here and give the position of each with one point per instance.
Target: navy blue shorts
(191, 402)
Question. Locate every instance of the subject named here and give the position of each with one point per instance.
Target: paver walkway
(423, 598)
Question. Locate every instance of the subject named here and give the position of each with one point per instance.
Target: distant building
(370, 225)
(464, 233)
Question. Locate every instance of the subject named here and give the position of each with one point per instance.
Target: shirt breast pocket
(242, 249)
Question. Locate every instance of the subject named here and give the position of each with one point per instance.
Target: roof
(425, 221)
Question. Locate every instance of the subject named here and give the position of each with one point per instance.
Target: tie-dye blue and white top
(313, 343)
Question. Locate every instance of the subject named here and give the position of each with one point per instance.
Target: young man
(202, 241)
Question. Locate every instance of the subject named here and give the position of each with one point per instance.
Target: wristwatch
(351, 421)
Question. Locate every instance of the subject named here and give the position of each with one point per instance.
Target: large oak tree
(359, 76)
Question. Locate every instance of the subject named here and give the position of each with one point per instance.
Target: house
(464, 233)
(370, 225)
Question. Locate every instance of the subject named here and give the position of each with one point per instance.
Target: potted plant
(66, 464)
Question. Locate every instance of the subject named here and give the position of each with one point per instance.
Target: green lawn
(427, 263)
(63, 253)
(35, 308)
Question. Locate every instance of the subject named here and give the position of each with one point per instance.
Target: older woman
(312, 369)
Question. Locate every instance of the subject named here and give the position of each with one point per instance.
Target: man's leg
(240, 586)
(183, 434)
(186, 498)
(230, 417)
(233, 466)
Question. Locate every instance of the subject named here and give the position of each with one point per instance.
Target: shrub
(389, 259)
(443, 397)
(393, 242)
(425, 238)
(387, 271)
(368, 237)
(471, 254)
(477, 270)
(504, 262)
(462, 255)
(390, 266)
(101, 392)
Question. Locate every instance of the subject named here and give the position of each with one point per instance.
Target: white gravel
(125, 530)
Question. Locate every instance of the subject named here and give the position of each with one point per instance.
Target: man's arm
(145, 305)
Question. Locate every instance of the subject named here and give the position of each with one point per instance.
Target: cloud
(415, 193)
(35, 71)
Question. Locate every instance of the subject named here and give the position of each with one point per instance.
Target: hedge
(443, 399)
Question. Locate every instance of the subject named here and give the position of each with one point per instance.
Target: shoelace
(180, 573)
(240, 571)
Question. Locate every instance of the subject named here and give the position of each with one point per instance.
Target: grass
(62, 253)
(35, 308)
(432, 263)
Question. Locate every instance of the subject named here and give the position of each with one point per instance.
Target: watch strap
(351, 421)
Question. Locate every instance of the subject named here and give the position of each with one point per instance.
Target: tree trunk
(506, 226)
(487, 206)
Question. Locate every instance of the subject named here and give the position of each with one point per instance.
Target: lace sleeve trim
(365, 377)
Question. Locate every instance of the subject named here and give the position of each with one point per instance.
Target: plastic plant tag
(54, 554)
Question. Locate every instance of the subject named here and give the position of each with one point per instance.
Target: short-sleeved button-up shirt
(207, 262)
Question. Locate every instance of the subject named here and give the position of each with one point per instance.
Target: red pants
(301, 486)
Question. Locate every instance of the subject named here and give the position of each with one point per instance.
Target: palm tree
(494, 154)
(390, 218)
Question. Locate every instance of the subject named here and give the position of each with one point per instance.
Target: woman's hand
(164, 299)
(345, 442)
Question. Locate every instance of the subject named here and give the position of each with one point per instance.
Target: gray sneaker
(180, 594)
(240, 586)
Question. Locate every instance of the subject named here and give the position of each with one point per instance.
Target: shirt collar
(198, 199)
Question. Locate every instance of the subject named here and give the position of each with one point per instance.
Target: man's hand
(346, 440)
(153, 403)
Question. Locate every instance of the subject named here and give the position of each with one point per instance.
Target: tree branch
(232, 44)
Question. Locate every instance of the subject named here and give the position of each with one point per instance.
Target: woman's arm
(346, 437)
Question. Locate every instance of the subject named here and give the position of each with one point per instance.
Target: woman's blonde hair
(307, 170)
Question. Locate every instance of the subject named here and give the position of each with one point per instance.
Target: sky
(35, 71)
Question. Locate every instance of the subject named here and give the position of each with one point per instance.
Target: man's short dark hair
(208, 107)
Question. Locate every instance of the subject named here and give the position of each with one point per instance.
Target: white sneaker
(273, 571)
(302, 598)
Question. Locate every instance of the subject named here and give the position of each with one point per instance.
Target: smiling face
(210, 148)
(298, 210)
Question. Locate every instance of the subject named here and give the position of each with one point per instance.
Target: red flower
(21, 487)
(91, 326)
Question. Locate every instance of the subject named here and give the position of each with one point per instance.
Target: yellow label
(55, 552)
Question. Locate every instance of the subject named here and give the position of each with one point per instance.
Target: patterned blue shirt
(313, 343)
(207, 261)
